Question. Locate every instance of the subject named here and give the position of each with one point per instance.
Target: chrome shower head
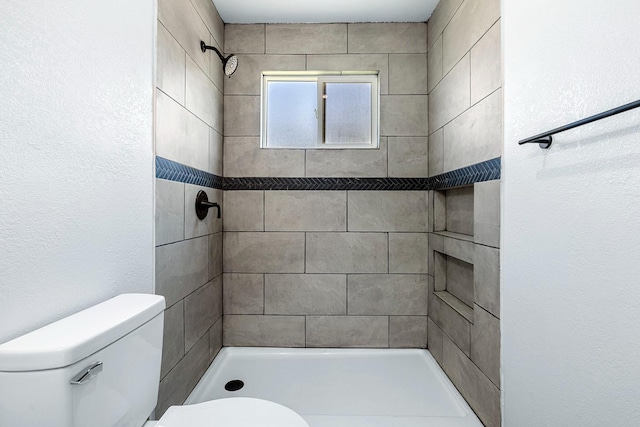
(229, 64)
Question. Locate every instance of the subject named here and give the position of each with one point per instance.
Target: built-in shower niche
(453, 212)
(454, 284)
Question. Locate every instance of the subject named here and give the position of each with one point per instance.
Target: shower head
(229, 64)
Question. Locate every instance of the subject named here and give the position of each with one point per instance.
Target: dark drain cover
(234, 385)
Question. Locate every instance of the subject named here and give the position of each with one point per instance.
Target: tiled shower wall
(327, 268)
(189, 119)
(465, 124)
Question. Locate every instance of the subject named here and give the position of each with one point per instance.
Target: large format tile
(353, 62)
(215, 255)
(452, 96)
(440, 18)
(404, 115)
(434, 65)
(172, 337)
(481, 394)
(181, 268)
(485, 344)
(305, 210)
(460, 280)
(244, 157)
(203, 98)
(486, 213)
(387, 211)
(486, 278)
(408, 331)
(459, 210)
(263, 252)
(387, 294)
(247, 80)
(215, 339)
(388, 38)
(216, 68)
(194, 226)
(180, 136)
(346, 253)
(408, 74)
(434, 340)
(408, 253)
(241, 116)
(215, 152)
(243, 293)
(348, 331)
(244, 211)
(169, 211)
(369, 163)
(461, 249)
(305, 294)
(467, 26)
(306, 38)
(486, 64)
(451, 322)
(436, 153)
(408, 157)
(170, 68)
(264, 331)
(244, 38)
(207, 11)
(476, 135)
(176, 386)
(201, 310)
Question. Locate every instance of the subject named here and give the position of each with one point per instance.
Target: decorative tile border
(484, 171)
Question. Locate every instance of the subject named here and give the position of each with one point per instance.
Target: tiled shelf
(453, 302)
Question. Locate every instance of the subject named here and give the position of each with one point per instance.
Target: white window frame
(321, 77)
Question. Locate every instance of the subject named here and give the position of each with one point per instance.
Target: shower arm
(204, 48)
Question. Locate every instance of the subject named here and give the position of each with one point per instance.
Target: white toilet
(101, 368)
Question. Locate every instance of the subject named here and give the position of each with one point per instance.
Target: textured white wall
(76, 156)
(571, 215)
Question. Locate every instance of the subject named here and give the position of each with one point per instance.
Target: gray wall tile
(348, 331)
(404, 115)
(486, 64)
(486, 213)
(181, 268)
(486, 278)
(215, 255)
(247, 79)
(305, 210)
(263, 252)
(169, 211)
(408, 157)
(243, 293)
(180, 136)
(440, 211)
(434, 65)
(452, 96)
(244, 211)
(387, 294)
(435, 339)
(305, 294)
(467, 26)
(353, 62)
(215, 152)
(203, 98)
(485, 344)
(172, 337)
(244, 157)
(440, 18)
(194, 226)
(408, 74)
(170, 74)
(408, 331)
(436, 153)
(216, 70)
(241, 116)
(408, 253)
(461, 249)
(451, 322)
(387, 211)
(347, 163)
(264, 331)
(388, 37)
(246, 38)
(460, 280)
(215, 339)
(207, 11)
(346, 253)
(201, 310)
(306, 38)
(475, 135)
(459, 210)
(481, 394)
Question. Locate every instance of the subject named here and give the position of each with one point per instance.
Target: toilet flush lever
(87, 374)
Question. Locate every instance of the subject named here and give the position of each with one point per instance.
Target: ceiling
(324, 11)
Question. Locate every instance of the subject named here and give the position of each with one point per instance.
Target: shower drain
(234, 385)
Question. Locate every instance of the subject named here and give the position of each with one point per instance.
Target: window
(319, 110)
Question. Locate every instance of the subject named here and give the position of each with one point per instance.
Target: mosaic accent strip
(174, 171)
(484, 171)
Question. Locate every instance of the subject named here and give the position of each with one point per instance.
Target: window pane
(347, 113)
(291, 114)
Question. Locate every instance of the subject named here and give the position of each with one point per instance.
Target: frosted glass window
(347, 113)
(291, 112)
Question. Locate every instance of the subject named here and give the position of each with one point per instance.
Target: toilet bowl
(234, 411)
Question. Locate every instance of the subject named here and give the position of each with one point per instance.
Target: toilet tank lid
(73, 338)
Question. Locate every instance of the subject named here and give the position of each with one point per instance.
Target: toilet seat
(234, 411)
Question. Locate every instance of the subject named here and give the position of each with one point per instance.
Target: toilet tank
(111, 353)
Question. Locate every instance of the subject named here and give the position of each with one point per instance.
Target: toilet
(101, 368)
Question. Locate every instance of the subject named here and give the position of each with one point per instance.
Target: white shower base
(343, 387)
